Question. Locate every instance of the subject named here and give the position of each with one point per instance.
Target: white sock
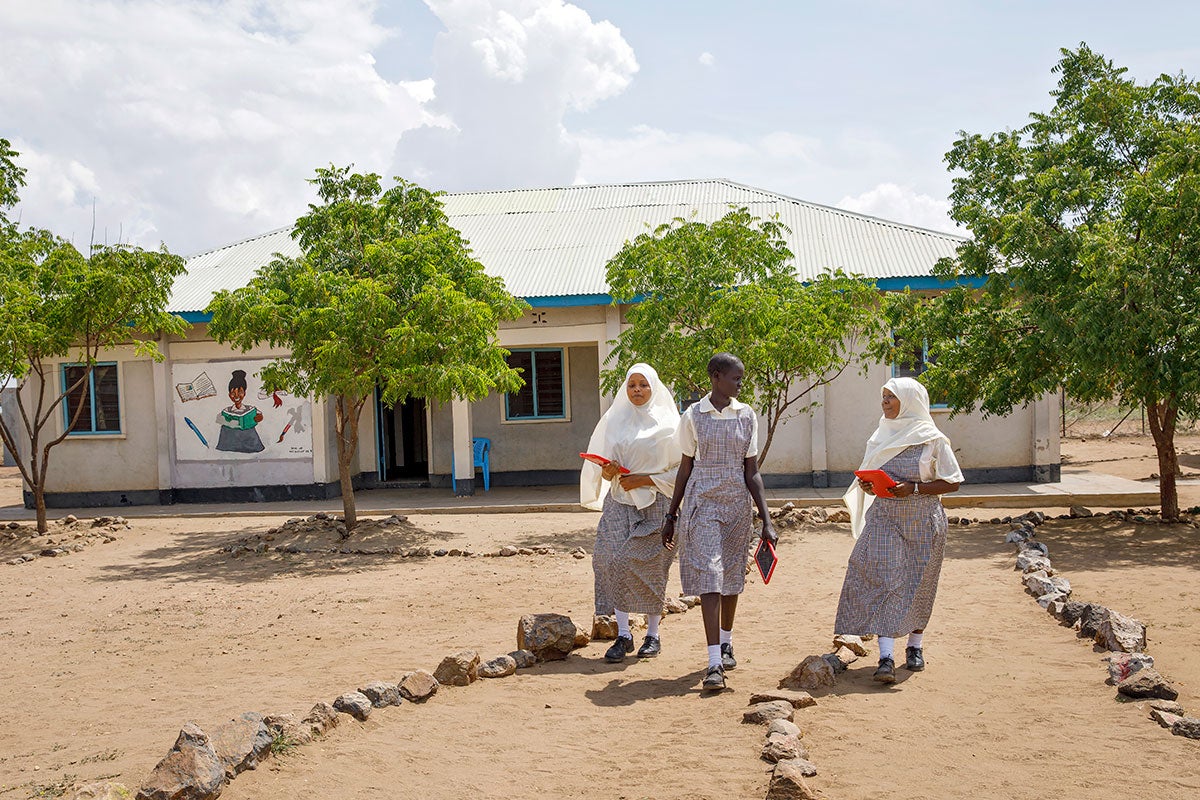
(726, 636)
(915, 639)
(652, 624)
(714, 655)
(623, 623)
(887, 647)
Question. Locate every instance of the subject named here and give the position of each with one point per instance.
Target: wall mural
(222, 412)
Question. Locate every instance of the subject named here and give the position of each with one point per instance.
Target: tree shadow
(199, 555)
(559, 540)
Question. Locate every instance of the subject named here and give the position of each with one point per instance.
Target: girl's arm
(755, 485)
(906, 488)
(681, 482)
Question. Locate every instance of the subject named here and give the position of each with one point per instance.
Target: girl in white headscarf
(638, 433)
(892, 577)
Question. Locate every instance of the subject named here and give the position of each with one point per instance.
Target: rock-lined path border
(200, 764)
(1130, 667)
(68, 535)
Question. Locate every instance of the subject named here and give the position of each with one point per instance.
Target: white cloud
(898, 203)
(647, 154)
(193, 123)
(707, 59)
(507, 72)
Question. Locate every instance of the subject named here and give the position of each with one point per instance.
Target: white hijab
(912, 426)
(641, 438)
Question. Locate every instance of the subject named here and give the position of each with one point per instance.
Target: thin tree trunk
(345, 452)
(1162, 415)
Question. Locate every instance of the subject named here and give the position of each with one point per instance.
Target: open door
(402, 443)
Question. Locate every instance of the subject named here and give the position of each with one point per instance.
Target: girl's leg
(886, 673)
(710, 609)
(887, 647)
(622, 622)
(728, 611)
(914, 656)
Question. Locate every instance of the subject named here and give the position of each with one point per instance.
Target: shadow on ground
(200, 555)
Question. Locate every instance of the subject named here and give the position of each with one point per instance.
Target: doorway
(402, 442)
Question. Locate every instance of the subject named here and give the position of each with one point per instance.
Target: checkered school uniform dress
(714, 523)
(629, 561)
(892, 577)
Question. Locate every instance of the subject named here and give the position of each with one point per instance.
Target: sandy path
(104, 654)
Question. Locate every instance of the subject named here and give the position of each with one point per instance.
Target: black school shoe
(714, 679)
(651, 646)
(616, 653)
(914, 659)
(727, 659)
(886, 673)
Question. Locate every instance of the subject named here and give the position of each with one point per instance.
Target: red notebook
(765, 559)
(600, 460)
(880, 481)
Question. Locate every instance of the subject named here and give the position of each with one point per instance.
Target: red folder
(600, 460)
(765, 559)
(880, 481)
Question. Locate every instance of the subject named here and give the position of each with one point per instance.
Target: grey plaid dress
(714, 523)
(629, 561)
(892, 577)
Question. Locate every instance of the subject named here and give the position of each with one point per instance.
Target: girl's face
(891, 404)
(729, 383)
(237, 394)
(638, 389)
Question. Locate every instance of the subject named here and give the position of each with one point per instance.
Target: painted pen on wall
(196, 431)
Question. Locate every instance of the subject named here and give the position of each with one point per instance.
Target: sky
(197, 124)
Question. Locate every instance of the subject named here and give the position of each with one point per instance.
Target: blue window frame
(544, 395)
(99, 395)
(915, 362)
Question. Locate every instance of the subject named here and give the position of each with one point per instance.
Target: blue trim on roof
(194, 316)
(926, 282)
(918, 283)
(564, 300)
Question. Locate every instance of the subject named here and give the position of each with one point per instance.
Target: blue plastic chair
(481, 458)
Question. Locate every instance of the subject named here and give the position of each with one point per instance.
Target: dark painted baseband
(562, 477)
(532, 477)
(464, 487)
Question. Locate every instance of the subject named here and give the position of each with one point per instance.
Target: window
(544, 394)
(914, 361)
(101, 406)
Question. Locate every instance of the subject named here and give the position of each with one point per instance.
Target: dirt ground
(106, 652)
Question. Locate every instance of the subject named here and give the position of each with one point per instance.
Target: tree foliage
(1086, 233)
(730, 286)
(385, 294)
(56, 304)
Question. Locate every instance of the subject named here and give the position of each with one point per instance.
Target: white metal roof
(555, 242)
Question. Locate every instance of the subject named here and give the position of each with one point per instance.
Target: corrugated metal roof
(556, 242)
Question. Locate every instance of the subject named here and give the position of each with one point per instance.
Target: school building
(170, 431)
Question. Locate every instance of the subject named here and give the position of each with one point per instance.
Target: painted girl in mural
(238, 421)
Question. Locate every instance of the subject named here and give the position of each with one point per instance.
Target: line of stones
(1130, 668)
(71, 537)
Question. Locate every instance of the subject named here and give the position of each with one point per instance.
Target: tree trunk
(346, 425)
(39, 503)
(1162, 415)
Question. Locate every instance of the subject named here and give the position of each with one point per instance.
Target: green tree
(698, 289)
(55, 303)
(385, 294)
(1084, 226)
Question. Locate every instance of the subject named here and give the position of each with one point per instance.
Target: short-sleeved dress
(715, 521)
(892, 577)
(631, 565)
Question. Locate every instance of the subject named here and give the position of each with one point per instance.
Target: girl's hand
(866, 486)
(629, 482)
(668, 534)
(768, 532)
(610, 470)
(903, 489)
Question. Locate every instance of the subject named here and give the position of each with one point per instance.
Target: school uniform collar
(705, 405)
